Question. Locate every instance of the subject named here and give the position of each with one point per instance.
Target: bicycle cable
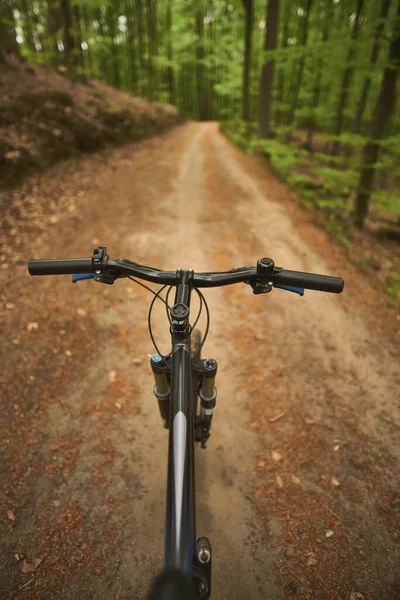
(201, 296)
(168, 308)
(156, 295)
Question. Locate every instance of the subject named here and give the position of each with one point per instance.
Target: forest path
(298, 488)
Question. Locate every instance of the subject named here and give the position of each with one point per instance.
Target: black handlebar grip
(67, 266)
(310, 281)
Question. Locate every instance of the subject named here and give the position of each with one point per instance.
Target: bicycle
(182, 378)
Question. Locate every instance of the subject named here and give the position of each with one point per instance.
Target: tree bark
(374, 57)
(79, 50)
(68, 39)
(384, 108)
(268, 70)
(53, 11)
(133, 78)
(300, 71)
(280, 98)
(8, 43)
(201, 83)
(347, 77)
(170, 70)
(249, 10)
(151, 7)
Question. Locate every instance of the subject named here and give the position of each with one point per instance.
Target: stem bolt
(204, 555)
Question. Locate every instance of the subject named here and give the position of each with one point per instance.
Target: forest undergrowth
(325, 185)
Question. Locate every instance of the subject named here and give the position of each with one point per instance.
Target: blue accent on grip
(80, 276)
(296, 290)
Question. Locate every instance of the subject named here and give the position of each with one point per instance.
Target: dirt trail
(304, 506)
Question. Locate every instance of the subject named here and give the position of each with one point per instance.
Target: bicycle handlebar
(252, 275)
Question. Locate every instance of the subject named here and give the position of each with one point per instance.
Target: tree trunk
(318, 77)
(268, 70)
(384, 108)
(53, 21)
(8, 43)
(79, 50)
(300, 71)
(249, 9)
(113, 73)
(152, 45)
(280, 98)
(131, 30)
(89, 50)
(68, 39)
(103, 67)
(374, 57)
(347, 77)
(201, 82)
(170, 70)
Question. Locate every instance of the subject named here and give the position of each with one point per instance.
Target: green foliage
(393, 286)
(387, 202)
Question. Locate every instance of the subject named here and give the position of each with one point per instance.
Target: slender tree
(68, 37)
(249, 10)
(384, 109)
(346, 81)
(374, 57)
(170, 70)
(316, 93)
(300, 69)
(282, 66)
(268, 70)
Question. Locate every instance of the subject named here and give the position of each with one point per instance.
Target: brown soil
(298, 488)
(45, 116)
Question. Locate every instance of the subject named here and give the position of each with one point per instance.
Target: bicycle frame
(180, 534)
(183, 552)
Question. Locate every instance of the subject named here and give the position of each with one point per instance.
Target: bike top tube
(107, 271)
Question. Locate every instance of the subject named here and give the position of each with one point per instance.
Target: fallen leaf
(10, 306)
(261, 463)
(329, 533)
(32, 326)
(137, 361)
(112, 376)
(81, 312)
(12, 154)
(296, 480)
(276, 456)
(27, 567)
(275, 419)
(279, 481)
(334, 481)
(68, 353)
(11, 515)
